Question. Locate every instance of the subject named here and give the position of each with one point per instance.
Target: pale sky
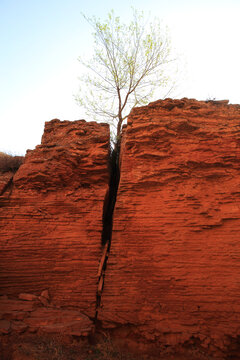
(40, 42)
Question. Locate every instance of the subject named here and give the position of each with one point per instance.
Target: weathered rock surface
(5, 181)
(174, 268)
(51, 222)
(19, 316)
(173, 272)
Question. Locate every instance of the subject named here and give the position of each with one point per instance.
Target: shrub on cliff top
(10, 162)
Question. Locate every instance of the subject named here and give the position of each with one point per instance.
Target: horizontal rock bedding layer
(28, 313)
(173, 271)
(51, 222)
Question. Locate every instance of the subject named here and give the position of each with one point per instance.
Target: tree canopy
(128, 65)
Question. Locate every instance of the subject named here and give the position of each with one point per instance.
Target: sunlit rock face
(173, 270)
(51, 216)
(174, 266)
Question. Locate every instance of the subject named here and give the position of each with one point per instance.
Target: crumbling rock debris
(20, 315)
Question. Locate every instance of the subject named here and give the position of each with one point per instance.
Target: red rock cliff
(173, 272)
(51, 219)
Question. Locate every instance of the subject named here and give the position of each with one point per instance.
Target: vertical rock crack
(107, 220)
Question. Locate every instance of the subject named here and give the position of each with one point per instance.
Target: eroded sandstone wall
(173, 272)
(51, 217)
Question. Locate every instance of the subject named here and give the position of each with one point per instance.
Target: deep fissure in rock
(111, 198)
(107, 220)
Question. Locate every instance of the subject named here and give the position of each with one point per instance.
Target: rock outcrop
(173, 271)
(170, 275)
(51, 220)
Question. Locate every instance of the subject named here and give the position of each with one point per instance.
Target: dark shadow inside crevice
(107, 221)
(111, 197)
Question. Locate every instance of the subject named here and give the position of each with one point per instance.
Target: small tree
(128, 64)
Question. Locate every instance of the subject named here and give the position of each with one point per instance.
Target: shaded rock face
(51, 220)
(5, 181)
(173, 271)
